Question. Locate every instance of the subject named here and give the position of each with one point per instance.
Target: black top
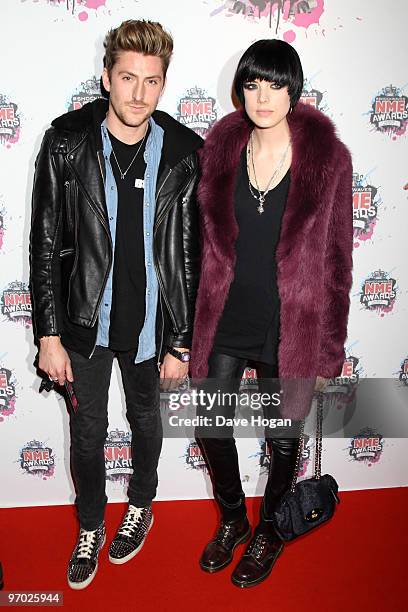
(249, 325)
(129, 274)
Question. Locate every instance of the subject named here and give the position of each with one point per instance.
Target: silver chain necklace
(262, 195)
(123, 174)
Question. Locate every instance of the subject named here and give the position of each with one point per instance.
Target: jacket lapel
(88, 170)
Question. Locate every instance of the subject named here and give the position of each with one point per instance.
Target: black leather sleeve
(191, 249)
(45, 241)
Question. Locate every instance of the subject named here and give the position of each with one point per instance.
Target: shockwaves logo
(389, 112)
(365, 208)
(300, 13)
(312, 97)
(86, 92)
(9, 121)
(37, 459)
(194, 458)
(367, 446)
(403, 373)
(197, 111)
(2, 226)
(378, 292)
(16, 303)
(264, 456)
(7, 393)
(118, 455)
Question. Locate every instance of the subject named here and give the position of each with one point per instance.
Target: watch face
(185, 357)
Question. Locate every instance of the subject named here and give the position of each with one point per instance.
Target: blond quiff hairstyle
(147, 37)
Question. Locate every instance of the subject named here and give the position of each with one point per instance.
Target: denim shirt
(152, 155)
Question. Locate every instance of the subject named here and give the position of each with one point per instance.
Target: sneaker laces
(86, 544)
(131, 521)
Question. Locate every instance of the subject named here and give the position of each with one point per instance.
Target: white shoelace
(86, 544)
(131, 520)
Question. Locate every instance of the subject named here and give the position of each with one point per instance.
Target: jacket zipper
(162, 334)
(155, 265)
(106, 275)
(159, 280)
(68, 203)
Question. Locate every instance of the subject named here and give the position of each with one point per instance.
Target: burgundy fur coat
(314, 253)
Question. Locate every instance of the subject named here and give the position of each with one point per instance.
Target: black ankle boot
(258, 560)
(219, 552)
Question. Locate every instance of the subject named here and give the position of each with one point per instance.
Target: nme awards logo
(197, 111)
(365, 208)
(264, 456)
(37, 459)
(7, 393)
(87, 92)
(379, 292)
(194, 458)
(249, 380)
(118, 455)
(403, 374)
(344, 386)
(367, 446)
(311, 96)
(389, 112)
(16, 303)
(9, 121)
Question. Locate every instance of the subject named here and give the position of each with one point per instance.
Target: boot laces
(257, 546)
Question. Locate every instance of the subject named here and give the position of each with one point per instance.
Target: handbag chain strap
(318, 448)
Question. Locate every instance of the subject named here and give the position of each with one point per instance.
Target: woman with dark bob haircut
(276, 208)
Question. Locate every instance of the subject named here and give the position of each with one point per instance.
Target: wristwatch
(182, 356)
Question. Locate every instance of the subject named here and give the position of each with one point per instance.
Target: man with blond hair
(114, 256)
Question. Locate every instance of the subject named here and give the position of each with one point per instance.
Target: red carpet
(357, 562)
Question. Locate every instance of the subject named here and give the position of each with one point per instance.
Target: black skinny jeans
(221, 453)
(89, 426)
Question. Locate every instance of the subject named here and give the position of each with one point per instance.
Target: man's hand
(321, 383)
(172, 371)
(54, 360)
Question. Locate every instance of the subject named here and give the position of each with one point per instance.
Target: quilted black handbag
(310, 502)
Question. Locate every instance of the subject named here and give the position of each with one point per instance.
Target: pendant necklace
(262, 194)
(124, 173)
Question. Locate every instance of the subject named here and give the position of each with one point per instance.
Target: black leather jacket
(69, 268)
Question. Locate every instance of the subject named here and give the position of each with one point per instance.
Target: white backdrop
(354, 59)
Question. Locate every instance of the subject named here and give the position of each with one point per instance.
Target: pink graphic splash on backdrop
(71, 5)
(302, 20)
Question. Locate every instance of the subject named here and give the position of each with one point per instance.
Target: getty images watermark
(204, 402)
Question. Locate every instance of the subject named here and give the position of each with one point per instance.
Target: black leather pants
(221, 454)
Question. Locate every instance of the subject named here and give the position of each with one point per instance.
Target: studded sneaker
(131, 535)
(83, 564)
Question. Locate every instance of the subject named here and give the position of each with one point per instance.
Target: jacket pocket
(70, 203)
